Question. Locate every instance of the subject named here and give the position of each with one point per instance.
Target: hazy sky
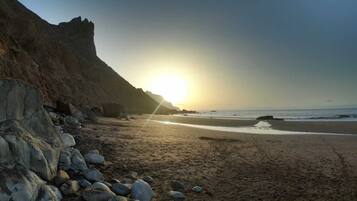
(234, 54)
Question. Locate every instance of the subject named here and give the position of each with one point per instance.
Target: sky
(232, 54)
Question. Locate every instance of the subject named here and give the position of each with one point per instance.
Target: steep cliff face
(61, 61)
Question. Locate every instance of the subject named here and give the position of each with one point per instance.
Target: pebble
(197, 189)
(177, 196)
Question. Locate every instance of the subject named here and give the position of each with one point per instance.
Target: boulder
(27, 134)
(121, 189)
(61, 178)
(69, 109)
(112, 109)
(141, 191)
(93, 175)
(72, 159)
(21, 184)
(70, 187)
(68, 140)
(97, 192)
(84, 183)
(94, 157)
(71, 122)
(177, 196)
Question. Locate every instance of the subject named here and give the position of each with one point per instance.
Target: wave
(261, 128)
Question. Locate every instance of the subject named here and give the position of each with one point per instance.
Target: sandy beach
(229, 166)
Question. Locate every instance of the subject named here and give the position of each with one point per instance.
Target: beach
(228, 165)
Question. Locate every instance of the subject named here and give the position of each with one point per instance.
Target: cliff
(61, 61)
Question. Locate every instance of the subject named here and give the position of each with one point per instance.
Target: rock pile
(29, 145)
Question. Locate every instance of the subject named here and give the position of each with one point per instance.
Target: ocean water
(345, 114)
(261, 128)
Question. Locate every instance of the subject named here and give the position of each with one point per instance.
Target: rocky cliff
(61, 61)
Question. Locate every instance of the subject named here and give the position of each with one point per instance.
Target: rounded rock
(177, 196)
(141, 191)
(61, 178)
(70, 187)
(121, 189)
(68, 140)
(197, 189)
(93, 175)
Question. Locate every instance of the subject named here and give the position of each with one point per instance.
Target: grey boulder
(68, 140)
(177, 196)
(121, 189)
(72, 159)
(70, 187)
(97, 192)
(84, 183)
(94, 157)
(20, 184)
(27, 134)
(93, 175)
(61, 178)
(141, 191)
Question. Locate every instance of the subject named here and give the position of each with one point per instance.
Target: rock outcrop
(61, 61)
(29, 143)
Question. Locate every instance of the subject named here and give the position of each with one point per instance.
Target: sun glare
(172, 87)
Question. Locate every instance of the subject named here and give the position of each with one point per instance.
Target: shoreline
(229, 166)
(338, 127)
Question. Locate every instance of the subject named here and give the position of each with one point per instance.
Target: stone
(148, 179)
(72, 159)
(94, 157)
(27, 134)
(177, 186)
(177, 196)
(84, 183)
(141, 191)
(72, 122)
(112, 109)
(68, 140)
(121, 189)
(197, 189)
(21, 184)
(70, 187)
(93, 175)
(54, 117)
(97, 192)
(61, 178)
(118, 198)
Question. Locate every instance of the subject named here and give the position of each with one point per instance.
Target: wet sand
(230, 166)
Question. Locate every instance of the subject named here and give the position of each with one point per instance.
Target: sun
(172, 88)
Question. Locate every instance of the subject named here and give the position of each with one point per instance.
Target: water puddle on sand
(261, 128)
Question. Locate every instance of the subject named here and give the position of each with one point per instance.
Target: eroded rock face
(27, 135)
(61, 61)
(20, 184)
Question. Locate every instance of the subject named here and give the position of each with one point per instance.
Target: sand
(230, 166)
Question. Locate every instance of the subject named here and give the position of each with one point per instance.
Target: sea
(332, 114)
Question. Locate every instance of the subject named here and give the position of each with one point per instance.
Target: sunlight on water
(261, 127)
